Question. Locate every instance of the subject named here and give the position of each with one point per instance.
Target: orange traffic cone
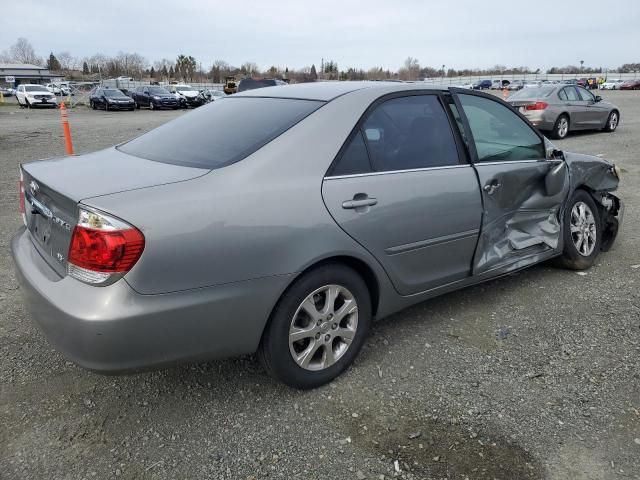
(66, 130)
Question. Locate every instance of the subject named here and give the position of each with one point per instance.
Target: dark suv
(482, 85)
(253, 83)
(153, 96)
(110, 99)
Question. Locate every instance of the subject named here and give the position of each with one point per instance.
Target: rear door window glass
(221, 132)
(572, 94)
(586, 95)
(499, 134)
(354, 159)
(410, 132)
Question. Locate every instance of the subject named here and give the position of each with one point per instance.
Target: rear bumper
(114, 329)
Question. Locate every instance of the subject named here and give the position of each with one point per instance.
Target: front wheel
(612, 121)
(151, 106)
(561, 127)
(317, 327)
(582, 232)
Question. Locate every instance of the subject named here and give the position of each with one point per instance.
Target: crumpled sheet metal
(536, 231)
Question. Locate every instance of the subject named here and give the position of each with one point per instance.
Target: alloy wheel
(563, 127)
(323, 327)
(583, 229)
(613, 121)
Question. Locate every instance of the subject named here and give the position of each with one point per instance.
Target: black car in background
(253, 83)
(110, 99)
(482, 85)
(154, 97)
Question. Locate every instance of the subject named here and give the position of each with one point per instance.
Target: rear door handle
(359, 203)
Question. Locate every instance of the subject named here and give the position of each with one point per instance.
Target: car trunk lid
(54, 188)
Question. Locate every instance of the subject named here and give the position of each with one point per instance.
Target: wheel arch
(358, 265)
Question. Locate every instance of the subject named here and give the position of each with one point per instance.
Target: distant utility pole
(443, 71)
(322, 68)
(581, 65)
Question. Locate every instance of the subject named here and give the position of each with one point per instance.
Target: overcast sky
(361, 34)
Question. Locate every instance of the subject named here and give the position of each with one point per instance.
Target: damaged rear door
(522, 190)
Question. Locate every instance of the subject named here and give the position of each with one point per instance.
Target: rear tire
(582, 232)
(612, 121)
(561, 127)
(317, 328)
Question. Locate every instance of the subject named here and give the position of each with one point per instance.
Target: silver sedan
(285, 220)
(560, 109)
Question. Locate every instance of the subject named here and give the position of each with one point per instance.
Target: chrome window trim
(477, 164)
(390, 172)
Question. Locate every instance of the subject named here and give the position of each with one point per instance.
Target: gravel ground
(533, 376)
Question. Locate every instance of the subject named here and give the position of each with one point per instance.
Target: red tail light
(103, 247)
(537, 106)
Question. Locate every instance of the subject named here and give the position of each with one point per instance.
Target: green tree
(85, 68)
(53, 64)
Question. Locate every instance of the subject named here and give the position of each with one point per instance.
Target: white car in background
(612, 84)
(58, 89)
(31, 95)
(532, 84)
(186, 95)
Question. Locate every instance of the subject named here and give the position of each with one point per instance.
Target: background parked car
(253, 83)
(7, 91)
(186, 95)
(482, 85)
(58, 89)
(630, 85)
(110, 99)
(516, 85)
(532, 84)
(154, 97)
(211, 95)
(32, 95)
(563, 108)
(612, 84)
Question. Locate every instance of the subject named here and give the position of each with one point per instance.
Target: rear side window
(410, 132)
(354, 159)
(498, 133)
(220, 133)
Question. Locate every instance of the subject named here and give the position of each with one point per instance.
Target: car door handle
(491, 187)
(359, 203)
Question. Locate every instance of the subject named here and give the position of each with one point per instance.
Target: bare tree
(22, 52)
(410, 69)
(67, 61)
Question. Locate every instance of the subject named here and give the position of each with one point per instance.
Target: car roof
(327, 91)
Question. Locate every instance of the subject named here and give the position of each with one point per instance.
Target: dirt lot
(536, 375)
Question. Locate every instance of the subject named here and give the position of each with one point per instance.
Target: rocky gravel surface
(532, 376)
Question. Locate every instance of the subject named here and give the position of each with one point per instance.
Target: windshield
(157, 91)
(113, 93)
(193, 140)
(532, 93)
(35, 88)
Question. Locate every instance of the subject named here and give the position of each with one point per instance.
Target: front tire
(582, 232)
(612, 121)
(317, 328)
(561, 127)
(151, 106)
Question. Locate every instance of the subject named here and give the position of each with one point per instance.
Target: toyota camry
(284, 220)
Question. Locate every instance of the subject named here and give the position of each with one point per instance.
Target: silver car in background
(559, 109)
(284, 220)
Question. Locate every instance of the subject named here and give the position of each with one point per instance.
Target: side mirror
(598, 98)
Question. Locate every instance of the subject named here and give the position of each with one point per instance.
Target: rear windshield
(532, 93)
(221, 132)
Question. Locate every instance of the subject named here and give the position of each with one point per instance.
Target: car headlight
(156, 98)
(109, 100)
(617, 172)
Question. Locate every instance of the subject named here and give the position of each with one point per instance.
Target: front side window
(499, 134)
(196, 140)
(410, 132)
